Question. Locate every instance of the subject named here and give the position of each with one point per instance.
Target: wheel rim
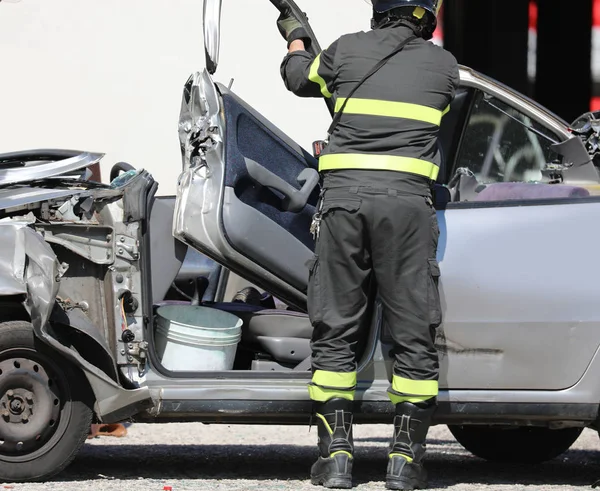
(34, 405)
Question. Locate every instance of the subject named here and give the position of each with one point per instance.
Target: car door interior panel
(255, 235)
(271, 192)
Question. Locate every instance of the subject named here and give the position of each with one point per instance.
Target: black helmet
(421, 14)
(431, 6)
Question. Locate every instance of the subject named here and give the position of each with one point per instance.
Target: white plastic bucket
(192, 338)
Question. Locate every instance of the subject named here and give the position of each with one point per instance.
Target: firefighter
(376, 225)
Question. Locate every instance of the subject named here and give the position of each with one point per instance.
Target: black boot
(405, 468)
(334, 422)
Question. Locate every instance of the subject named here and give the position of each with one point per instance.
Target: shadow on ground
(291, 462)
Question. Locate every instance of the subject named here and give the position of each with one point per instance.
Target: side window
(501, 144)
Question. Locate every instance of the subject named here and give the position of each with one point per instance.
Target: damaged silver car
(116, 306)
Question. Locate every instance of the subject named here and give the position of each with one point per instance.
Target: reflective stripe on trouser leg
(407, 390)
(329, 385)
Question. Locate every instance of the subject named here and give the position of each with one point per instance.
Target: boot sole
(404, 484)
(339, 482)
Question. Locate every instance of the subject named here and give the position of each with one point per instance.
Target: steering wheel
(523, 155)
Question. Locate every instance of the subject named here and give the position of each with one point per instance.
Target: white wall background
(106, 75)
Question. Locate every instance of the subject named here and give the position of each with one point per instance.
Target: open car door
(247, 193)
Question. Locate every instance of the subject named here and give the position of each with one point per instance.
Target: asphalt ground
(229, 457)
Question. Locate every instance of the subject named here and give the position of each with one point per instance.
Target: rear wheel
(525, 445)
(45, 413)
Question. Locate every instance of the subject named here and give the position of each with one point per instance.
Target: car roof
(476, 74)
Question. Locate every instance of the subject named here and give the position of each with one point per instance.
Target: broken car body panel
(29, 267)
(33, 165)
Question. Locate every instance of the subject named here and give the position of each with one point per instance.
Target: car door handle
(294, 199)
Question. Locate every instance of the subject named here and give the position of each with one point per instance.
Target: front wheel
(522, 445)
(45, 413)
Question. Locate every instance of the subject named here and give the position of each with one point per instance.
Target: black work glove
(291, 29)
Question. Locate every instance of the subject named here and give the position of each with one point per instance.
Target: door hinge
(127, 248)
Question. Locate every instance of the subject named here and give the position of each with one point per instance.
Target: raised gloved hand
(291, 29)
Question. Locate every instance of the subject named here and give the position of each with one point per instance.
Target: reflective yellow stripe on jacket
(379, 162)
(374, 107)
(314, 76)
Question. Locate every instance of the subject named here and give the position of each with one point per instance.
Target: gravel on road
(193, 456)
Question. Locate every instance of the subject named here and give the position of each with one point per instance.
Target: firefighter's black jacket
(392, 121)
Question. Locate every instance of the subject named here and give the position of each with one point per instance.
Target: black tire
(44, 401)
(520, 445)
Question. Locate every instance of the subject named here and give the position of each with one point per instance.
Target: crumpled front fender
(29, 267)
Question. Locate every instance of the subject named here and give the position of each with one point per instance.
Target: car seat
(283, 334)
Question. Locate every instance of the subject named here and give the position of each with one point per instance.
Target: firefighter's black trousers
(375, 237)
